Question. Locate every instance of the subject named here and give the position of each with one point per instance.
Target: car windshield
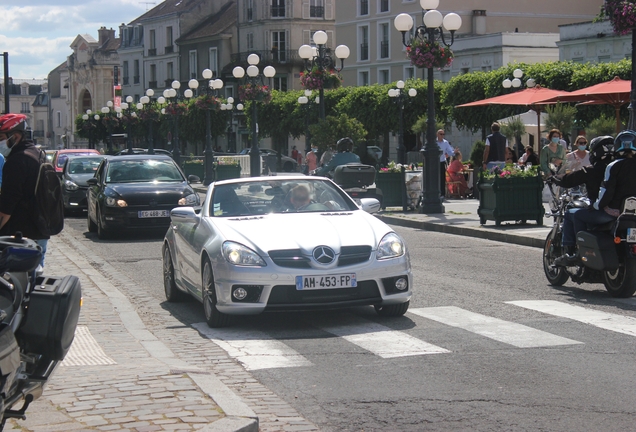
(143, 170)
(278, 196)
(62, 157)
(83, 165)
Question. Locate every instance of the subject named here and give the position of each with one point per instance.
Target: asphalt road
(486, 345)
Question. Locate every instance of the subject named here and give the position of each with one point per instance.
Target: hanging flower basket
(426, 54)
(315, 79)
(208, 102)
(255, 92)
(622, 15)
(176, 109)
(148, 114)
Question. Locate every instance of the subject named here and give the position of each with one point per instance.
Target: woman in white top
(580, 157)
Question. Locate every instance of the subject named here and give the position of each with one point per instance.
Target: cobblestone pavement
(135, 367)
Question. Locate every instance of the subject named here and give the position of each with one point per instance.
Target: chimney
(479, 22)
(105, 34)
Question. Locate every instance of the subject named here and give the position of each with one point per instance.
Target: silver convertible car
(284, 243)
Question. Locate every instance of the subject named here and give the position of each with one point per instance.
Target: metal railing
(278, 11)
(364, 51)
(152, 84)
(126, 80)
(269, 56)
(136, 79)
(152, 52)
(169, 49)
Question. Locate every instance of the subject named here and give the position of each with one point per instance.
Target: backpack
(49, 204)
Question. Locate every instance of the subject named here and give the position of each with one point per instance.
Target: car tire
(173, 294)
(394, 310)
(92, 226)
(213, 317)
(102, 233)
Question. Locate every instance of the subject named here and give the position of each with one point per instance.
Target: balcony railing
(278, 11)
(126, 80)
(384, 49)
(136, 79)
(316, 11)
(169, 49)
(270, 56)
(152, 52)
(152, 84)
(364, 51)
(25, 111)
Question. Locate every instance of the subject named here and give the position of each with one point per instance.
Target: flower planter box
(510, 199)
(224, 172)
(389, 184)
(197, 169)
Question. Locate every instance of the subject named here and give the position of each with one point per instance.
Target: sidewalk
(460, 217)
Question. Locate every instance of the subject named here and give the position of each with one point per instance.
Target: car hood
(166, 192)
(303, 230)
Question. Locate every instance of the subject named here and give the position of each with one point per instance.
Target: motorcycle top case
(597, 250)
(354, 175)
(52, 316)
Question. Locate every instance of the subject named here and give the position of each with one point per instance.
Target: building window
(363, 37)
(409, 72)
(169, 74)
(363, 78)
(169, 41)
(384, 40)
(193, 64)
(278, 8)
(250, 41)
(25, 107)
(24, 90)
(364, 7)
(153, 76)
(58, 117)
(383, 76)
(249, 10)
(316, 9)
(279, 46)
(279, 83)
(125, 73)
(152, 51)
(136, 72)
(214, 62)
(384, 5)
(464, 71)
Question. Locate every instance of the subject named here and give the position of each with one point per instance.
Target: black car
(76, 172)
(136, 193)
(137, 150)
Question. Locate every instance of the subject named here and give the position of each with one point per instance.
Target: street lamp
(214, 85)
(105, 111)
(254, 77)
(306, 103)
(321, 58)
(516, 83)
(172, 94)
(231, 134)
(432, 29)
(399, 95)
(146, 104)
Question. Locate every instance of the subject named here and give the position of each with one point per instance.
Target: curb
(464, 231)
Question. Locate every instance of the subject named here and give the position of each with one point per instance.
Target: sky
(37, 34)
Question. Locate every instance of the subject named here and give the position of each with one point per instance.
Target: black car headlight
(238, 254)
(391, 246)
(115, 202)
(70, 185)
(190, 200)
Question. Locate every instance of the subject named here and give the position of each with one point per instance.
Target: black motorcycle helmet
(624, 142)
(344, 145)
(601, 150)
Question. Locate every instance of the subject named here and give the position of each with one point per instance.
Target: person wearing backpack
(19, 177)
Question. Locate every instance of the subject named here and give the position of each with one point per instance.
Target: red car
(61, 155)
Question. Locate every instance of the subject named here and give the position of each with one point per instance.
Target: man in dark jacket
(496, 143)
(19, 176)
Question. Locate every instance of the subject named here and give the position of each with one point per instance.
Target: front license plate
(326, 282)
(631, 235)
(153, 213)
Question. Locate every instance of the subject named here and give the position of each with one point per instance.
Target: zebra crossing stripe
(254, 349)
(502, 331)
(381, 340)
(607, 321)
(85, 351)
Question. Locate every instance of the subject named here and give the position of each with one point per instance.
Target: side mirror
(91, 181)
(370, 205)
(193, 179)
(183, 215)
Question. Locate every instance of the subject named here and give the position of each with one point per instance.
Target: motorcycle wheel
(621, 283)
(557, 276)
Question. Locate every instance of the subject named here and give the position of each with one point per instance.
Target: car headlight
(70, 186)
(391, 246)
(115, 202)
(238, 254)
(190, 200)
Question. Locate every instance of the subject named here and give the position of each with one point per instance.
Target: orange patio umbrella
(615, 92)
(533, 98)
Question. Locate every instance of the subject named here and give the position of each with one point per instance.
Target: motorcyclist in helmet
(601, 154)
(344, 156)
(619, 183)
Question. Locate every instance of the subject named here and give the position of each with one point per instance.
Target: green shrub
(477, 153)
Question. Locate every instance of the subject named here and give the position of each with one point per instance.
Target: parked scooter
(38, 318)
(607, 254)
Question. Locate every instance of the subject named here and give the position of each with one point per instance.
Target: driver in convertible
(344, 156)
(300, 197)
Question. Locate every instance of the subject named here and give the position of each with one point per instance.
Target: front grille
(288, 297)
(294, 258)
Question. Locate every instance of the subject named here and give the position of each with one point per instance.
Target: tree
(601, 126)
(561, 117)
(327, 133)
(514, 128)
